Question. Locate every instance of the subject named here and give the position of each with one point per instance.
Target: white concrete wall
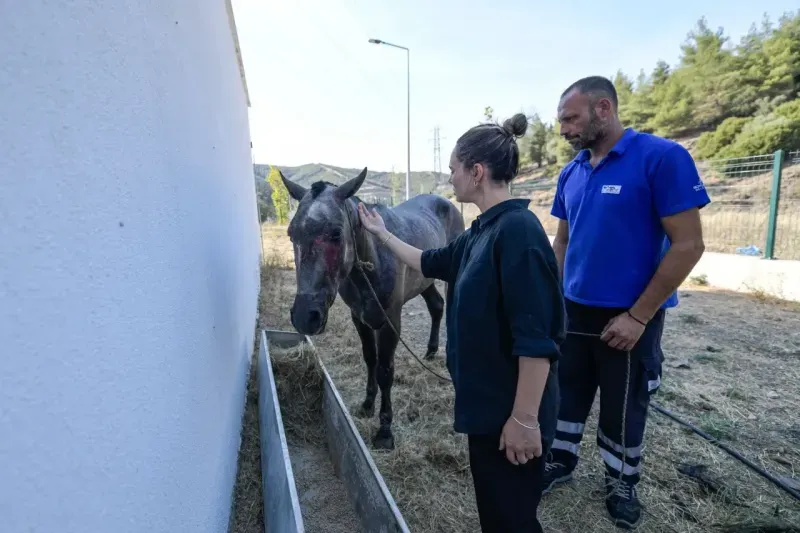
(778, 278)
(128, 265)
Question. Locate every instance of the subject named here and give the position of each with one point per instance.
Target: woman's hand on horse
(371, 220)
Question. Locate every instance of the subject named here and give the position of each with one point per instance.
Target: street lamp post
(408, 110)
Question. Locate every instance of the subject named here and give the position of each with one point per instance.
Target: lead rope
(624, 406)
(362, 265)
(366, 265)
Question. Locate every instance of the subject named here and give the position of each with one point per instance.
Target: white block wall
(128, 265)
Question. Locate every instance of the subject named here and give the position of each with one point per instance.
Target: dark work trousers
(507, 495)
(588, 363)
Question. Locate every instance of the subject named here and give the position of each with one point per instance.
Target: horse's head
(322, 240)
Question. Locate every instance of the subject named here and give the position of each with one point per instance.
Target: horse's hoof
(431, 353)
(367, 410)
(382, 441)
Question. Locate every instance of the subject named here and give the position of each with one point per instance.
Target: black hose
(728, 449)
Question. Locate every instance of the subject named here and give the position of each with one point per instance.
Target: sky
(321, 93)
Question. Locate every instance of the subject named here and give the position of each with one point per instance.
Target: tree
(559, 151)
(538, 140)
(714, 80)
(280, 196)
(742, 99)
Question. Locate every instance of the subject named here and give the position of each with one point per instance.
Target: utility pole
(408, 110)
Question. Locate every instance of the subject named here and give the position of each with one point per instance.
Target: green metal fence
(754, 209)
(754, 205)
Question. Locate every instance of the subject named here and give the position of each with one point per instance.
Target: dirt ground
(732, 369)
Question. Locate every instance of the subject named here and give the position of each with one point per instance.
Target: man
(629, 233)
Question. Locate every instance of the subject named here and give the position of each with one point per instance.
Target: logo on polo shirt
(611, 189)
(699, 187)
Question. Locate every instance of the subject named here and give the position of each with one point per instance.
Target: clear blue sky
(322, 94)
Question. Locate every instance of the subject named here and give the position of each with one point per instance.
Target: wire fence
(787, 243)
(738, 215)
(741, 189)
(737, 220)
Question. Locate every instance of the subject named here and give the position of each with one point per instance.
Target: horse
(328, 240)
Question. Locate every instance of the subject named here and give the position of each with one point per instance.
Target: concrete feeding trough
(367, 494)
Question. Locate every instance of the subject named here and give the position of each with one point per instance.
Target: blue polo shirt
(614, 211)
(504, 302)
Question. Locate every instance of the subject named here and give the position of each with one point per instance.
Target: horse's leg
(387, 343)
(369, 351)
(435, 304)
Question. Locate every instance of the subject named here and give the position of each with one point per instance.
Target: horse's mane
(318, 186)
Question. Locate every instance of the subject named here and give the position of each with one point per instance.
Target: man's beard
(594, 133)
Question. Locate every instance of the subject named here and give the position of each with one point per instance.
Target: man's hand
(622, 332)
(521, 443)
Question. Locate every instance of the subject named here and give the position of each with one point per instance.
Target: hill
(380, 186)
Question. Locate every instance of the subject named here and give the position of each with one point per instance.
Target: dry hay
(323, 500)
(247, 506)
(739, 349)
(298, 382)
(247, 510)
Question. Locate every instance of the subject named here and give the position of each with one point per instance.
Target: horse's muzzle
(308, 318)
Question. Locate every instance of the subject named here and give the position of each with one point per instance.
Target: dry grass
(247, 513)
(743, 354)
(247, 510)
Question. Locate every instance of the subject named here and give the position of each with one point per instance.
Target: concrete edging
(352, 461)
(281, 504)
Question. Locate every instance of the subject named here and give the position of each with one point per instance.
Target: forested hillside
(740, 98)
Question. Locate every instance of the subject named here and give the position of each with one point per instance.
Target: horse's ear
(349, 188)
(296, 190)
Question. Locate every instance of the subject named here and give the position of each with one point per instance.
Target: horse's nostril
(314, 318)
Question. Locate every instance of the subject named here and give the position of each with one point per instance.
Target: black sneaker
(555, 473)
(622, 503)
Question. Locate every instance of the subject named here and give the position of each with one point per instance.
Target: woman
(505, 322)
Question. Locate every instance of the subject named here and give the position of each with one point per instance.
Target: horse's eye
(336, 235)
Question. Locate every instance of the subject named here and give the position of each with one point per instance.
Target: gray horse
(326, 232)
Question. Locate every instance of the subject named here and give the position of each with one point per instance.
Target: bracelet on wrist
(525, 425)
(384, 241)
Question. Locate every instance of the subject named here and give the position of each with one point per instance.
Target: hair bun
(516, 125)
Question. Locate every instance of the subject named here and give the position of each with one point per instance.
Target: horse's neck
(366, 257)
(366, 260)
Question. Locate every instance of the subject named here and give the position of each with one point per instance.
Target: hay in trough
(298, 381)
(324, 503)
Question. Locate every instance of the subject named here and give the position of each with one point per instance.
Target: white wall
(779, 278)
(128, 265)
